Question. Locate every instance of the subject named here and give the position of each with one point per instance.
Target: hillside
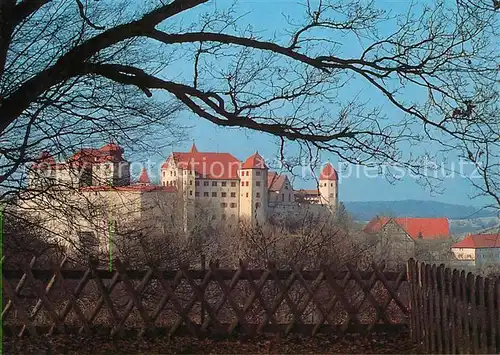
(364, 211)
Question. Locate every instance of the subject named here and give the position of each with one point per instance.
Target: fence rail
(454, 312)
(203, 302)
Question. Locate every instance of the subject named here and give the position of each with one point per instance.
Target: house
(482, 249)
(404, 237)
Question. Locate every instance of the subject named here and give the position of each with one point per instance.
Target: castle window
(214, 183)
(175, 173)
(286, 187)
(331, 184)
(233, 205)
(248, 173)
(223, 183)
(246, 183)
(197, 194)
(185, 172)
(257, 173)
(223, 194)
(233, 183)
(257, 204)
(190, 182)
(205, 183)
(247, 194)
(223, 205)
(233, 194)
(205, 194)
(257, 183)
(214, 194)
(190, 192)
(197, 183)
(242, 183)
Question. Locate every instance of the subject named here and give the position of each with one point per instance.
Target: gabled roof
(208, 165)
(144, 178)
(478, 241)
(425, 228)
(328, 173)
(275, 181)
(254, 162)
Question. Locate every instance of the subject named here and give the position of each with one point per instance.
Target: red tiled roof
(46, 160)
(275, 181)
(130, 188)
(208, 165)
(476, 241)
(328, 173)
(112, 147)
(144, 178)
(427, 228)
(254, 162)
(110, 152)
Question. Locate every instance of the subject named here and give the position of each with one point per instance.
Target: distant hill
(364, 211)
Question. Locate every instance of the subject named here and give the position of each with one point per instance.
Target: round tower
(253, 189)
(328, 187)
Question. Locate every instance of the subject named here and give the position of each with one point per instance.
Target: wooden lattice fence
(203, 302)
(455, 312)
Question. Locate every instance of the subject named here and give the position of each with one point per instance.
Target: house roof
(275, 181)
(328, 173)
(426, 228)
(130, 188)
(208, 165)
(144, 178)
(108, 153)
(477, 241)
(254, 162)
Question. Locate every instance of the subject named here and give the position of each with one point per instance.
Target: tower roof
(328, 173)
(144, 178)
(254, 162)
(193, 149)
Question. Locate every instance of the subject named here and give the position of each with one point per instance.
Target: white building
(481, 249)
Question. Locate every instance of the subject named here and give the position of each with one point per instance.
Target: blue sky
(267, 17)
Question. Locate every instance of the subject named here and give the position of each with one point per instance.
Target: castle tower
(328, 187)
(144, 178)
(253, 189)
(109, 168)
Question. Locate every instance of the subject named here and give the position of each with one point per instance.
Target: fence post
(490, 315)
(202, 304)
(442, 310)
(410, 266)
(471, 285)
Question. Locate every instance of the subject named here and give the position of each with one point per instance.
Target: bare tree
(74, 70)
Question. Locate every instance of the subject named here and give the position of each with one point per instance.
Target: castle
(193, 185)
(241, 190)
